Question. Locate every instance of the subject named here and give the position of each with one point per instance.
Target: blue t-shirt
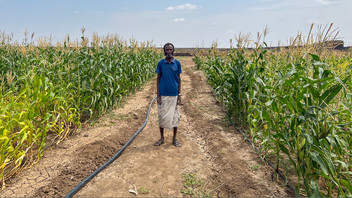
(169, 80)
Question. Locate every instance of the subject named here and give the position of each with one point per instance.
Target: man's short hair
(173, 47)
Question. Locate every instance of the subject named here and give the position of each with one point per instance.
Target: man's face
(169, 51)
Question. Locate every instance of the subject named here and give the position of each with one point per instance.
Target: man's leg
(175, 133)
(161, 140)
(174, 139)
(161, 133)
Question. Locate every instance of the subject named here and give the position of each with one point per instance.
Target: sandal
(159, 142)
(175, 142)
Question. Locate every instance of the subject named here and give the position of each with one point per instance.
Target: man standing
(168, 93)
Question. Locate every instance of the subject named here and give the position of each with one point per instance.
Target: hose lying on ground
(86, 180)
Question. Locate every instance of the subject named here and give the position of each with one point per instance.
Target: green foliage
(296, 107)
(54, 89)
(254, 167)
(143, 190)
(193, 186)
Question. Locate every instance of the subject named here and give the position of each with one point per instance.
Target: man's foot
(159, 142)
(175, 142)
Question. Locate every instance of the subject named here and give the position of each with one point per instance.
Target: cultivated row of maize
(49, 90)
(296, 108)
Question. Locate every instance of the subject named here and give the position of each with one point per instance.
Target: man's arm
(179, 90)
(157, 89)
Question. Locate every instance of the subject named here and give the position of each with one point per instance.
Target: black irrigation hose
(265, 159)
(86, 180)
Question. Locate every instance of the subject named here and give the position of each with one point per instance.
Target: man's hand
(179, 99)
(159, 100)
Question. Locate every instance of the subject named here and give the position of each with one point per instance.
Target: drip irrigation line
(87, 179)
(265, 159)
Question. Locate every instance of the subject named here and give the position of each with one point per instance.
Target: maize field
(294, 105)
(51, 91)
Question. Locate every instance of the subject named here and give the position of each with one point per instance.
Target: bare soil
(224, 164)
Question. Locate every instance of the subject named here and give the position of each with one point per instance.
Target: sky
(185, 23)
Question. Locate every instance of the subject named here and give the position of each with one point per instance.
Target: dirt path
(212, 153)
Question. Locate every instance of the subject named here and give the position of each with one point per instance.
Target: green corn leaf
(329, 94)
(315, 188)
(327, 160)
(315, 57)
(284, 149)
(266, 116)
(4, 139)
(301, 144)
(347, 184)
(315, 157)
(309, 138)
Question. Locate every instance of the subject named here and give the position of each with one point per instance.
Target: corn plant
(52, 90)
(296, 107)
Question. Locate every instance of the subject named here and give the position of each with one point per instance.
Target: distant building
(334, 44)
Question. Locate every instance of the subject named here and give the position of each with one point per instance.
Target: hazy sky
(186, 23)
